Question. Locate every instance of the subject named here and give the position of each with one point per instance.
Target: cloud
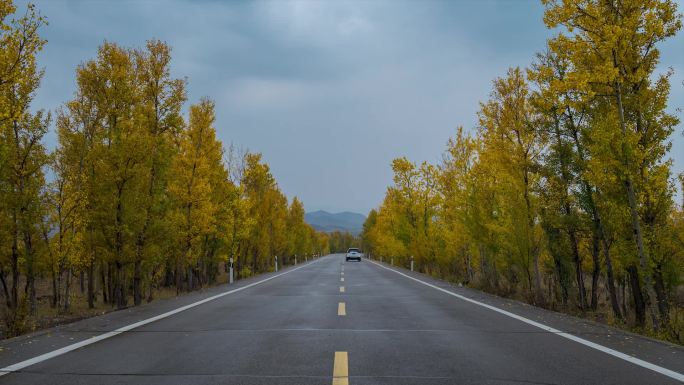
(328, 91)
(261, 94)
(316, 22)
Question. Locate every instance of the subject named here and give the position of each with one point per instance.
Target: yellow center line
(341, 309)
(341, 369)
(341, 289)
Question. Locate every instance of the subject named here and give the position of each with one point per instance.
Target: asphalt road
(301, 327)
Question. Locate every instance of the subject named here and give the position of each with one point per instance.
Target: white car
(353, 254)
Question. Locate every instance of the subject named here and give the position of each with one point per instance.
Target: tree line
(341, 241)
(138, 193)
(564, 194)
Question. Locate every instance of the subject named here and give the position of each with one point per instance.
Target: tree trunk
(91, 284)
(5, 290)
(597, 224)
(14, 299)
(634, 210)
(81, 280)
(150, 295)
(137, 282)
(637, 296)
(596, 272)
(120, 286)
(661, 293)
(105, 287)
(55, 292)
(30, 272)
(538, 295)
(67, 290)
(611, 280)
(189, 279)
(119, 289)
(179, 276)
(624, 284)
(109, 284)
(579, 275)
(562, 282)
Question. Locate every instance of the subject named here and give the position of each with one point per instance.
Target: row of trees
(341, 241)
(135, 195)
(564, 195)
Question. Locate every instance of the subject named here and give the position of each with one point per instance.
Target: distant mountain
(329, 222)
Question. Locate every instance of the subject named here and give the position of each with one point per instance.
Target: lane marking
(644, 364)
(69, 348)
(342, 279)
(341, 289)
(341, 309)
(341, 369)
(342, 273)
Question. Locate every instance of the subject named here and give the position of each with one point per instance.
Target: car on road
(353, 254)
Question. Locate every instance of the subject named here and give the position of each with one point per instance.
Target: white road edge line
(593, 345)
(69, 348)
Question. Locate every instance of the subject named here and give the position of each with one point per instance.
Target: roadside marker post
(412, 263)
(392, 262)
(231, 270)
(276, 263)
(295, 260)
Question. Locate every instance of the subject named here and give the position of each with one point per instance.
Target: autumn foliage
(564, 194)
(139, 193)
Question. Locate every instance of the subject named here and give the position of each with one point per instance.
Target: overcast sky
(330, 92)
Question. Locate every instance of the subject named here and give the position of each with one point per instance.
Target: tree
(191, 190)
(159, 114)
(612, 47)
(22, 153)
(512, 144)
(456, 183)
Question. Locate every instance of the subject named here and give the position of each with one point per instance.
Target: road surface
(336, 322)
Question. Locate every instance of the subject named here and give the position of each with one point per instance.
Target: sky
(328, 91)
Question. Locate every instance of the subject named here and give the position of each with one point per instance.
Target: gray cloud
(330, 92)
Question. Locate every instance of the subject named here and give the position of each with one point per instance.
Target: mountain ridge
(345, 221)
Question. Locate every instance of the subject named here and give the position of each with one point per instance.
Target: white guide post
(231, 270)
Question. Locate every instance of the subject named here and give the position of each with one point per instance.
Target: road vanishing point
(328, 321)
